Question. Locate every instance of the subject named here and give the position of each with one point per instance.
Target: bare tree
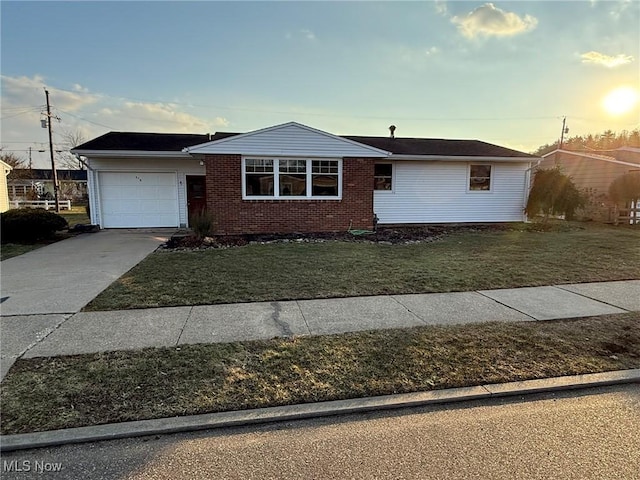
(12, 159)
(18, 164)
(70, 139)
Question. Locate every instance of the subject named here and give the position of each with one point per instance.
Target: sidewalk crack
(42, 338)
(505, 305)
(184, 325)
(303, 317)
(590, 298)
(409, 310)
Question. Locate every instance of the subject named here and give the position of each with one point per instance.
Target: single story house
(37, 183)
(5, 169)
(294, 178)
(594, 171)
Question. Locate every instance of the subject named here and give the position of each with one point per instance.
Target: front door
(196, 194)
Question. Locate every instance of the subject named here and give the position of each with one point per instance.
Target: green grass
(62, 392)
(77, 215)
(457, 262)
(9, 250)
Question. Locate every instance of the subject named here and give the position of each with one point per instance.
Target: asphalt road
(588, 434)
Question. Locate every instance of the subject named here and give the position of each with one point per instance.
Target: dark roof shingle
(399, 146)
(147, 142)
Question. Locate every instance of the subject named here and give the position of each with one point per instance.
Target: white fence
(46, 204)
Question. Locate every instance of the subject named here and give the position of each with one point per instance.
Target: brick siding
(234, 215)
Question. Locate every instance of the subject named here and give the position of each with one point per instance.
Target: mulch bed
(186, 240)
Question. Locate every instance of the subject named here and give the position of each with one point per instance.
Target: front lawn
(63, 392)
(298, 270)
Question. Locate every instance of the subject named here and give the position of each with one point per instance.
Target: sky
(502, 72)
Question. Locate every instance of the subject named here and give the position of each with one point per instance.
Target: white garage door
(138, 199)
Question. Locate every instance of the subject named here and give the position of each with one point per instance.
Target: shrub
(553, 193)
(29, 225)
(202, 223)
(625, 188)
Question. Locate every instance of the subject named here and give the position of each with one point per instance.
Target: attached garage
(138, 199)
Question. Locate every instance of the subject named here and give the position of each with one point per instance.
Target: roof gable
(289, 139)
(591, 156)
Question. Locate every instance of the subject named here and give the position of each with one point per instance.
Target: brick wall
(236, 216)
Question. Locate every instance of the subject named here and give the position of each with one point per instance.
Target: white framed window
(383, 177)
(291, 178)
(480, 178)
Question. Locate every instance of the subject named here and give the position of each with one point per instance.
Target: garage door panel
(138, 199)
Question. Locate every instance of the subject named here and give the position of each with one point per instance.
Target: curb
(310, 410)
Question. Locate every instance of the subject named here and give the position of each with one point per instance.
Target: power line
(86, 120)
(20, 113)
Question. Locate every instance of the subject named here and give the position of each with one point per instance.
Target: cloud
(85, 112)
(597, 58)
(27, 91)
(441, 7)
(488, 20)
(157, 117)
(618, 9)
(303, 33)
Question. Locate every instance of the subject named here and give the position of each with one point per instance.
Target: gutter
(461, 158)
(130, 153)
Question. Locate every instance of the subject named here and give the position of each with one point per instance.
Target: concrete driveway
(63, 277)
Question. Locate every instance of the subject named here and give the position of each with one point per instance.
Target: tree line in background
(607, 140)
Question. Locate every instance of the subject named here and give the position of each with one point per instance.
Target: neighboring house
(293, 178)
(31, 184)
(4, 193)
(594, 171)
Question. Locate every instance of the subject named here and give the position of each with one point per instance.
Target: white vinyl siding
(437, 192)
(289, 140)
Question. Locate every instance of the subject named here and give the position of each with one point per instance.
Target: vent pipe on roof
(209, 135)
(392, 129)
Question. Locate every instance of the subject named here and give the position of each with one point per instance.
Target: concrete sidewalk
(90, 332)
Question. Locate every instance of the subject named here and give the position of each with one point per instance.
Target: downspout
(92, 202)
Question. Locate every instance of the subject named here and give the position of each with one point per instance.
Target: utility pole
(30, 163)
(54, 174)
(564, 130)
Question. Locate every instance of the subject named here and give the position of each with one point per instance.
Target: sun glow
(620, 100)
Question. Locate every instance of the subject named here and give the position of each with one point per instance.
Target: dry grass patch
(50, 393)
